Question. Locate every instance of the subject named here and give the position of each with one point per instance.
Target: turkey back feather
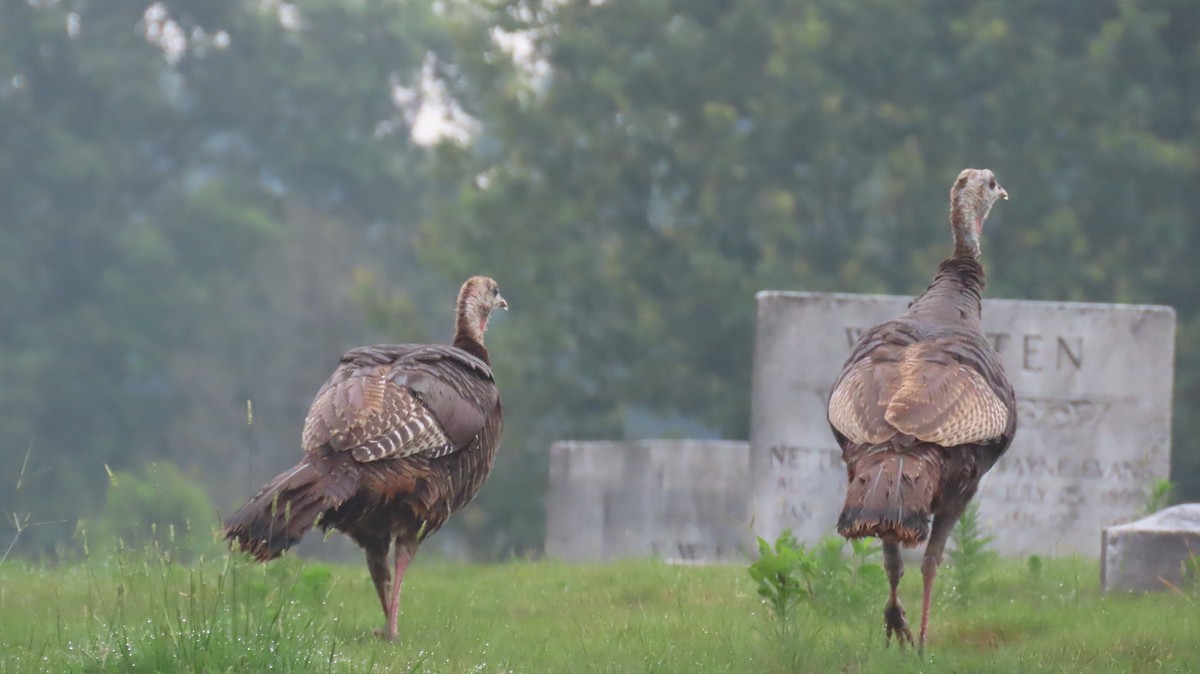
(290, 505)
(891, 493)
(922, 401)
(410, 430)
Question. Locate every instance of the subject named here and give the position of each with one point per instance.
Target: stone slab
(1093, 383)
(1152, 553)
(683, 500)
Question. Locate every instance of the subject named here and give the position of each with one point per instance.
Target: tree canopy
(667, 159)
(205, 202)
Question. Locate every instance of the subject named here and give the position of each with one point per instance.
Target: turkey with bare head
(398, 439)
(923, 408)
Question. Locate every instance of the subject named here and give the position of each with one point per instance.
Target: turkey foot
(894, 621)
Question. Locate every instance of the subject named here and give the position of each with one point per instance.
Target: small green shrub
(969, 557)
(789, 573)
(843, 579)
(1161, 495)
(783, 574)
(158, 507)
(1191, 573)
(232, 615)
(1034, 566)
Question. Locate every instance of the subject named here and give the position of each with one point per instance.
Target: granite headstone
(1093, 384)
(680, 500)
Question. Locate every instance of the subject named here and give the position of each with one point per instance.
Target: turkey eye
(992, 184)
(496, 291)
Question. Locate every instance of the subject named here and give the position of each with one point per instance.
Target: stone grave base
(679, 500)
(1153, 553)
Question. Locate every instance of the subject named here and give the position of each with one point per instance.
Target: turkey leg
(402, 556)
(943, 524)
(893, 614)
(377, 564)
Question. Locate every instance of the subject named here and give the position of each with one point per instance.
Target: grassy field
(138, 613)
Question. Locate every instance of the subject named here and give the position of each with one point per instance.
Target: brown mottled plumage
(922, 409)
(399, 438)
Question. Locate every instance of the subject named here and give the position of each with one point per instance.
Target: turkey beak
(501, 303)
(1004, 194)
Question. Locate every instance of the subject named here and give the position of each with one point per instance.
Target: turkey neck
(955, 294)
(469, 324)
(957, 288)
(966, 222)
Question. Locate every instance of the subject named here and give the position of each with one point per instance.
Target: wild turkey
(399, 438)
(922, 409)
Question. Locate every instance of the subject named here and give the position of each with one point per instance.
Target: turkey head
(971, 199)
(477, 299)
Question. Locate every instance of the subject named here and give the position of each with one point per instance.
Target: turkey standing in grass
(400, 437)
(922, 409)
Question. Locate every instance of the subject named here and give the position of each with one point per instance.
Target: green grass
(140, 613)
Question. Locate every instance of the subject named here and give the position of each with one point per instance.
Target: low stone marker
(1152, 553)
(1093, 384)
(680, 500)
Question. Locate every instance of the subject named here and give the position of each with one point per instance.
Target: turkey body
(922, 410)
(398, 439)
(926, 390)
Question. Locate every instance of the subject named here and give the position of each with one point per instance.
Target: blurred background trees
(205, 202)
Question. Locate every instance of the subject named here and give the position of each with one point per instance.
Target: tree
(194, 194)
(665, 160)
(201, 197)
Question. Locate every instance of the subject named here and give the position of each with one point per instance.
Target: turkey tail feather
(891, 493)
(286, 508)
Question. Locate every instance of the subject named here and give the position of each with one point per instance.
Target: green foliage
(1035, 564)
(790, 573)
(1191, 572)
(848, 580)
(235, 616)
(313, 583)
(140, 613)
(783, 574)
(1161, 495)
(187, 231)
(677, 157)
(969, 555)
(158, 508)
(179, 226)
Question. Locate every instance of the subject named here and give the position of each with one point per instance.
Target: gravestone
(1093, 385)
(680, 500)
(1152, 553)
